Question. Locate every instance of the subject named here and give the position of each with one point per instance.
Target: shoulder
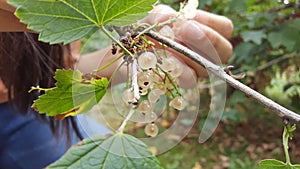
(8, 21)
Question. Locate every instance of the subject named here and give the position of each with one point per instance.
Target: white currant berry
(178, 103)
(168, 64)
(144, 79)
(159, 86)
(151, 130)
(167, 32)
(178, 70)
(143, 91)
(150, 116)
(145, 106)
(147, 60)
(154, 95)
(128, 96)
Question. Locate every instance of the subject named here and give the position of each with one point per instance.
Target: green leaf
(237, 5)
(117, 151)
(272, 164)
(275, 164)
(65, 21)
(255, 36)
(244, 52)
(72, 95)
(288, 36)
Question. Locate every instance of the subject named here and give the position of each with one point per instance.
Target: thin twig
(275, 61)
(218, 71)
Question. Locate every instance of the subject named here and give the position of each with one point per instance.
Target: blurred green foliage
(266, 43)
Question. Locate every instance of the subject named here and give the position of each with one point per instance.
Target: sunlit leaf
(73, 94)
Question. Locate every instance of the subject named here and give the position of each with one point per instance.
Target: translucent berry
(143, 91)
(154, 95)
(167, 32)
(149, 116)
(151, 130)
(144, 79)
(168, 64)
(178, 103)
(159, 86)
(147, 60)
(178, 70)
(128, 96)
(145, 106)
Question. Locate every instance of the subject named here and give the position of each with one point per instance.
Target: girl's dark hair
(27, 62)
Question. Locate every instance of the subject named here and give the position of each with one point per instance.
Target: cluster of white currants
(157, 76)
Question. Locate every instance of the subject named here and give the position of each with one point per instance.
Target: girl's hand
(205, 33)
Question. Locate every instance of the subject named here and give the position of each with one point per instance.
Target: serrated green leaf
(288, 36)
(255, 36)
(72, 95)
(65, 21)
(117, 151)
(244, 51)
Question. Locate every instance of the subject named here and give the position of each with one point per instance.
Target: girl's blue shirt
(27, 143)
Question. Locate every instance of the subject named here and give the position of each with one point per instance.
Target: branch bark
(218, 71)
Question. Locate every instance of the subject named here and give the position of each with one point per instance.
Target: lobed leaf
(72, 95)
(117, 151)
(64, 21)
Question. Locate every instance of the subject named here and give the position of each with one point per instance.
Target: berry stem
(170, 79)
(134, 82)
(157, 24)
(122, 127)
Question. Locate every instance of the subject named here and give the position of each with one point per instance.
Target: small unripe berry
(147, 60)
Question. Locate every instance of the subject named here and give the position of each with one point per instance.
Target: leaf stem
(122, 127)
(38, 88)
(285, 140)
(116, 41)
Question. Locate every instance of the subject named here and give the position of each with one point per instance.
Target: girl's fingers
(204, 40)
(205, 33)
(159, 14)
(220, 24)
